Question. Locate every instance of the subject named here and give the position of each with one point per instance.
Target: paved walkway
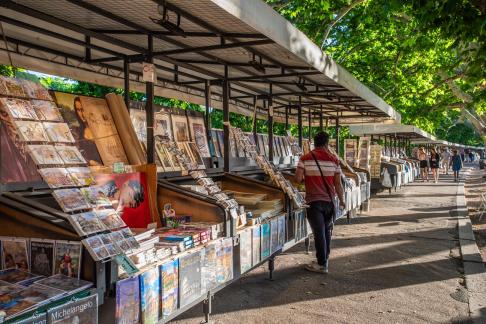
(397, 264)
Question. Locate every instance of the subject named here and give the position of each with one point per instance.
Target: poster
(129, 196)
(42, 257)
(181, 130)
(100, 122)
(84, 310)
(67, 258)
(15, 254)
(127, 301)
(199, 136)
(74, 115)
(350, 151)
(169, 286)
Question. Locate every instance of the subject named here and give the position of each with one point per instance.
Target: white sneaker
(314, 267)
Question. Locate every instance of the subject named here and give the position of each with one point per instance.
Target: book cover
(15, 254)
(227, 260)
(265, 241)
(169, 287)
(84, 310)
(42, 257)
(70, 154)
(273, 235)
(96, 248)
(149, 296)
(110, 218)
(86, 223)
(58, 132)
(35, 319)
(245, 250)
(128, 301)
(81, 176)
(256, 252)
(18, 277)
(40, 294)
(56, 177)
(189, 278)
(70, 200)
(8, 288)
(95, 197)
(209, 265)
(44, 155)
(67, 258)
(67, 284)
(13, 305)
(46, 110)
(31, 131)
(18, 109)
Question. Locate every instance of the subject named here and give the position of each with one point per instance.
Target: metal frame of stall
(238, 56)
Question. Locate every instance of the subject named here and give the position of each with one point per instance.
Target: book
(209, 265)
(81, 176)
(265, 241)
(70, 154)
(15, 254)
(127, 301)
(245, 250)
(46, 110)
(273, 235)
(110, 218)
(56, 177)
(67, 284)
(44, 155)
(40, 294)
(281, 232)
(31, 131)
(149, 296)
(189, 278)
(18, 109)
(42, 257)
(226, 262)
(256, 251)
(67, 258)
(83, 310)
(169, 287)
(8, 288)
(58, 132)
(70, 199)
(86, 223)
(95, 197)
(96, 248)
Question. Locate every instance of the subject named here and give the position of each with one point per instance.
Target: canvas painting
(18, 108)
(70, 200)
(57, 177)
(46, 110)
(104, 132)
(149, 296)
(81, 176)
(67, 258)
(181, 130)
(70, 154)
(199, 136)
(169, 292)
(73, 113)
(42, 257)
(44, 155)
(15, 254)
(31, 131)
(128, 193)
(83, 310)
(127, 301)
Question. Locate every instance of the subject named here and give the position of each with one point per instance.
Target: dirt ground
(474, 186)
(397, 264)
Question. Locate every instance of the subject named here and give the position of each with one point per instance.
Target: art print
(81, 176)
(46, 110)
(15, 254)
(164, 157)
(31, 131)
(181, 130)
(70, 154)
(86, 223)
(110, 218)
(162, 125)
(95, 197)
(18, 108)
(199, 136)
(45, 155)
(42, 257)
(139, 122)
(11, 87)
(67, 258)
(58, 132)
(70, 200)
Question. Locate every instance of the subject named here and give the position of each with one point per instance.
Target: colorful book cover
(18, 277)
(281, 232)
(128, 301)
(265, 240)
(245, 250)
(149, 296)
(84, 310)
(169, 287)
(70, 200)
(67, 258)
(81, 176)
(15, 254)
(95, 197)
(86, 223)
(225, 261)
(209, 261)
(70, 154)
(256, 252)
(273, 235)
(58, 132)
(189, 278)
(42, 257)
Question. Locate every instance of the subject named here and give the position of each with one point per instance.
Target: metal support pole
(270, 126)
(207, 307)
(309, 119)
(149, 108)
(226, 120)
(207, 119)
(287, 117)
(126, 82)
(321, 122)
(299, 121)
(337, 136)
(254, 126)
(271, 267)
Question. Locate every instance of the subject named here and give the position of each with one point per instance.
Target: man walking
(322, 184)
(446, 157)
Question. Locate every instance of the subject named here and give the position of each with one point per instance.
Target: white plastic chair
(482, 207)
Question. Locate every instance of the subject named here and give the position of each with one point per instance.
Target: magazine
(95, 197)
(18, 108)
(149, 295)
(67, 258)
(70, 200)
(58, 132)
(169, 276)
(44, 155)
(86, 223)
(70, 154)
(46, 110)
(127, 301)
(84, 310)
(96, 248)
(110, 218)
(31, 131)
(67, 284)
(18, 277)
(42, 257)
(81, 176)
(57, 177)
(15, 254)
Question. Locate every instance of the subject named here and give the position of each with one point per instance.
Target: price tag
(118, 167)
(149, 72)
(123, 261)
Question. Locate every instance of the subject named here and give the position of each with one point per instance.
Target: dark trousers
(319, 215)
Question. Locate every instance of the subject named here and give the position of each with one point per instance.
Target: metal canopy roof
(194, 43)
(404, 131)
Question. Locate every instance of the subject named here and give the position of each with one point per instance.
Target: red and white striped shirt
(315, 189)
